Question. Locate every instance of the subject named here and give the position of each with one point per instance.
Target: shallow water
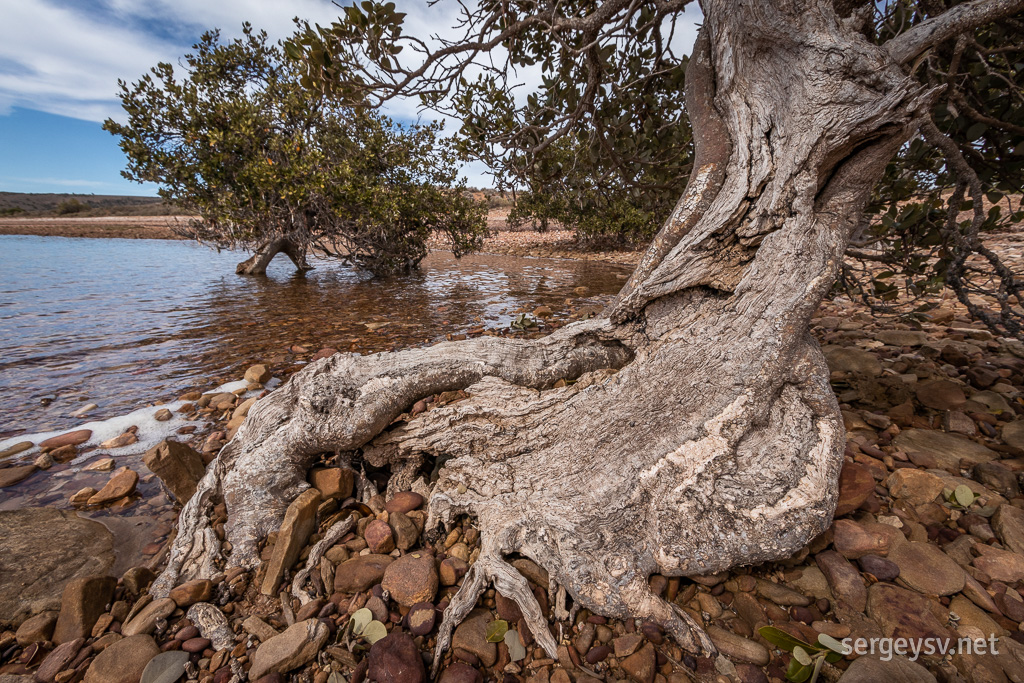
(121, 323)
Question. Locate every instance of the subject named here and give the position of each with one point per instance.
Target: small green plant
(523, 322)
(363, 625)
(961, 497)
(807, 658)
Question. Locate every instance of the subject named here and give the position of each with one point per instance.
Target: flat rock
(299, 522)
(58, 660)
(36, 629)
(145, 621)
(901, 613)
(166, 667)
(642, 665)
(179, 466)
(856, 539)
(82, 602)
(298, 645)
(941, 450)
(411, 579)
(856, 484)
(360, 573)
(9, 476)
(917, 487)
(927, 569)
(41, 550)
(843, 579)
(780, 595)
(998, 477)
(1001, 565)
(870, 669)
(471, 636)
(123, 661)
(396, 659)
(971, 615)
(121, 484)
(74, 438)
(852, 359)
(19, 447)
(902, 337)
(738, 648)
(191, 592)
(1008, 523)
(879, 567)
(941, 394)
(1013, 434)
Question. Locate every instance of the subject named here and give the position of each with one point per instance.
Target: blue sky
(60, 61)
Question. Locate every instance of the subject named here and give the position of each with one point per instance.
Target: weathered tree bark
(265, 253)
(701, 431)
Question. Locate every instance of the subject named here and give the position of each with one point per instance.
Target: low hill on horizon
(68, 203)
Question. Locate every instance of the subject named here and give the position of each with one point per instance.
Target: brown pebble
(598, 654)
(195, 645)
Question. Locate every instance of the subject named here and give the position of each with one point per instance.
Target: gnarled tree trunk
(265, 253)
(701, 431)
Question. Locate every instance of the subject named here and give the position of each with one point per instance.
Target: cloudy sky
(60, 61)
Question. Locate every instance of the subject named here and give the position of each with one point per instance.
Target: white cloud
(66, 59)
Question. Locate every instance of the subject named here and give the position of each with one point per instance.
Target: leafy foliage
(241, 142)
(807, 658)
(603, 144)
(961, 178)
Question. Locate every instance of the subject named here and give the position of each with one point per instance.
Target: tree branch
(961, 18)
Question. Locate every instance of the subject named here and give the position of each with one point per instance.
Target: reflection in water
(122, 322)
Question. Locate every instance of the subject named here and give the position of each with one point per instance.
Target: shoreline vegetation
(553, 243)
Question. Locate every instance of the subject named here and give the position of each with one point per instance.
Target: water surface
(121, 322)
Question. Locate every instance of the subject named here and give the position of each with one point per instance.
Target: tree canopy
(604, 143)
(261, 159)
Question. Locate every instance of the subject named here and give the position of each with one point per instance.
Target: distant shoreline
(551, 244)
(124, 227)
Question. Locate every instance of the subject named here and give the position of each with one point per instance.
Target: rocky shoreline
(927, 542)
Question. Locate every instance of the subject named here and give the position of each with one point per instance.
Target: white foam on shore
(151, 431)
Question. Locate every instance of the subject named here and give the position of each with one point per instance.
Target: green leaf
(496, 630)
(516, 651)
(833, 644)
(781, 639)
(802, 656)
(374, 631)
(976, 131)
(359, 620)
(964, 496)
(797, 672)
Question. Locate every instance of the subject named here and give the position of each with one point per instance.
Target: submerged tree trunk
(265, 253)
(701, 431)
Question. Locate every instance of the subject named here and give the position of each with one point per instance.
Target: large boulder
(41, 550)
